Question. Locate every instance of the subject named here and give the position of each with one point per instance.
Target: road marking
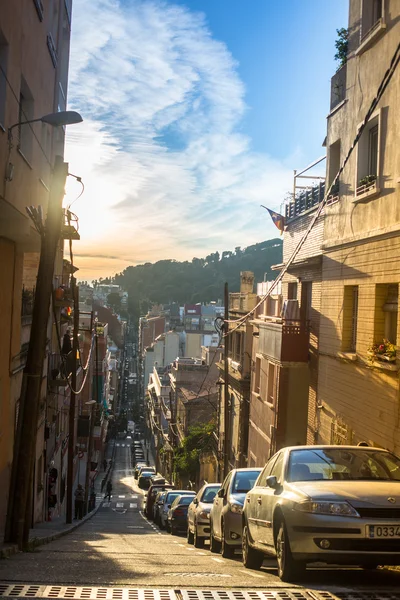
(121, 496)
(119, 505)
(182, 545)
(132, 505)
(135, 527)
(200, 553)
(134, 497)
(117, 445)
(217, 559)
(120, 512)
(251, 574)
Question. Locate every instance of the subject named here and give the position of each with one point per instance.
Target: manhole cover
(83, 593)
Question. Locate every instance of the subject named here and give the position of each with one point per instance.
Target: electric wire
(381, 88)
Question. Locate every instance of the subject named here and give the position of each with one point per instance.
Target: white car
(198, 529)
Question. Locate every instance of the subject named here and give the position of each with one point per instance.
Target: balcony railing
(28, 297)
(338, 86)
(285, 342)
(305, 200)
(60, 368)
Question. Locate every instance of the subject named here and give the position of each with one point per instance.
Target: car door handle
(259, 501)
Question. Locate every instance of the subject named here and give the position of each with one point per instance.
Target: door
(253, 502)
(267, 500)
(219, 503)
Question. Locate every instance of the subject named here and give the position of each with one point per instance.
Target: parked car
(158, 501)
(138, 465)
(151, 495)
(168, 499)
(326, 504)
(198, 528)
(147, 469)
(177, 514)
(226, 511)
(144, 480)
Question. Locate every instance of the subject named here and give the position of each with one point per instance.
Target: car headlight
(340, 509)
(204, 514)
(236, 508)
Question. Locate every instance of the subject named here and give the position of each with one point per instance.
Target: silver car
(226, 511)
(199, 514)
(166, 505)
(329, 504)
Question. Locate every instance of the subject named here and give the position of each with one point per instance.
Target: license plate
(384, 531)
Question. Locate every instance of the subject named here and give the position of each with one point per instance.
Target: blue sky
(196, 112)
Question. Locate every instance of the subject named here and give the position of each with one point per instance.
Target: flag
(279, 220)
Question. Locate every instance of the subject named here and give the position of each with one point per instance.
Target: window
(292, 290)
(371, 16)
(262, 482)
(257, 375)
(277, 470)
(271, 383)
(333, 168)
(350, 313)
(3, 75)
(368, 168)
(386, 312)
(237, 347)
(26, 112)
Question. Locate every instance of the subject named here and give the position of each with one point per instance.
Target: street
(120, 547)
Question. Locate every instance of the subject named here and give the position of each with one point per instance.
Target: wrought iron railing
(305, 200)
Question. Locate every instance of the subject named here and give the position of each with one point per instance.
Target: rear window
(185, 500)
(244, 481)
(209, 494)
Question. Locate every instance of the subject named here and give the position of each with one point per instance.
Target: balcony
(304, 201)
(60, 368)
(287, 341)
(242, 302)
(338, 87)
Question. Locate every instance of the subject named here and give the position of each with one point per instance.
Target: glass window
(209, 494)
(267, 471)
(244, 481)
(343, 464)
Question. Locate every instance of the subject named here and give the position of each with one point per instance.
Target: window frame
(366, 191)
(374, 32)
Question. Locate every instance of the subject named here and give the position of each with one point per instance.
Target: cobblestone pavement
(119, 547)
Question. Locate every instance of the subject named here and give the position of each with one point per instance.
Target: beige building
(34, 54)
(358, 386)
(240, 343)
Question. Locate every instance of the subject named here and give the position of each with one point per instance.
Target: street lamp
(57, 119)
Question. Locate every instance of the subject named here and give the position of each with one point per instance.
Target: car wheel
(167, 527)
(252, 559)
(226, 550)
(198, 541)
(289, 570)
(189, 536)
(215, 546)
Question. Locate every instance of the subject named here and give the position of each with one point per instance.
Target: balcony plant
(385, 351)
(368, 180)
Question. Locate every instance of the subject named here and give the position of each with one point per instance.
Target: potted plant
(367, 180)
(385, 351)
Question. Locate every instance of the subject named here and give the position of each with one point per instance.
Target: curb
(11, 549)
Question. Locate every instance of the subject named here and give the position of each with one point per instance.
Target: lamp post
(21, 482)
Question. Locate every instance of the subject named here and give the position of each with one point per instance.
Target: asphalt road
(119, 547)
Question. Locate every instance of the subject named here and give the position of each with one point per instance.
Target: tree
(114, 302)
(200, 439)
(342, 46)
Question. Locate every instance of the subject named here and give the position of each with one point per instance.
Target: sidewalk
(48, 531)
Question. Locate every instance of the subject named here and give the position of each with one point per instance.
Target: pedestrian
(105, 464)
(108, 491)
(79, 501)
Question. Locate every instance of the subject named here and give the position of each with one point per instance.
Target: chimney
(246, 282)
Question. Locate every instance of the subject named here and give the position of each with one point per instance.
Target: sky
(195, 113)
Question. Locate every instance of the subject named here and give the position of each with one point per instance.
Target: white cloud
(164, 164)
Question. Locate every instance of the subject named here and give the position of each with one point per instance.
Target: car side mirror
(272, 482)
(169, 506)
(221, 493)
(195, 501)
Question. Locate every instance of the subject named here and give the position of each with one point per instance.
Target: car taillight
(179, 512)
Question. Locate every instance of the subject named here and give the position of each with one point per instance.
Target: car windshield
(185, 500)
(209, 494)
(244, 481)
(327, 464)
